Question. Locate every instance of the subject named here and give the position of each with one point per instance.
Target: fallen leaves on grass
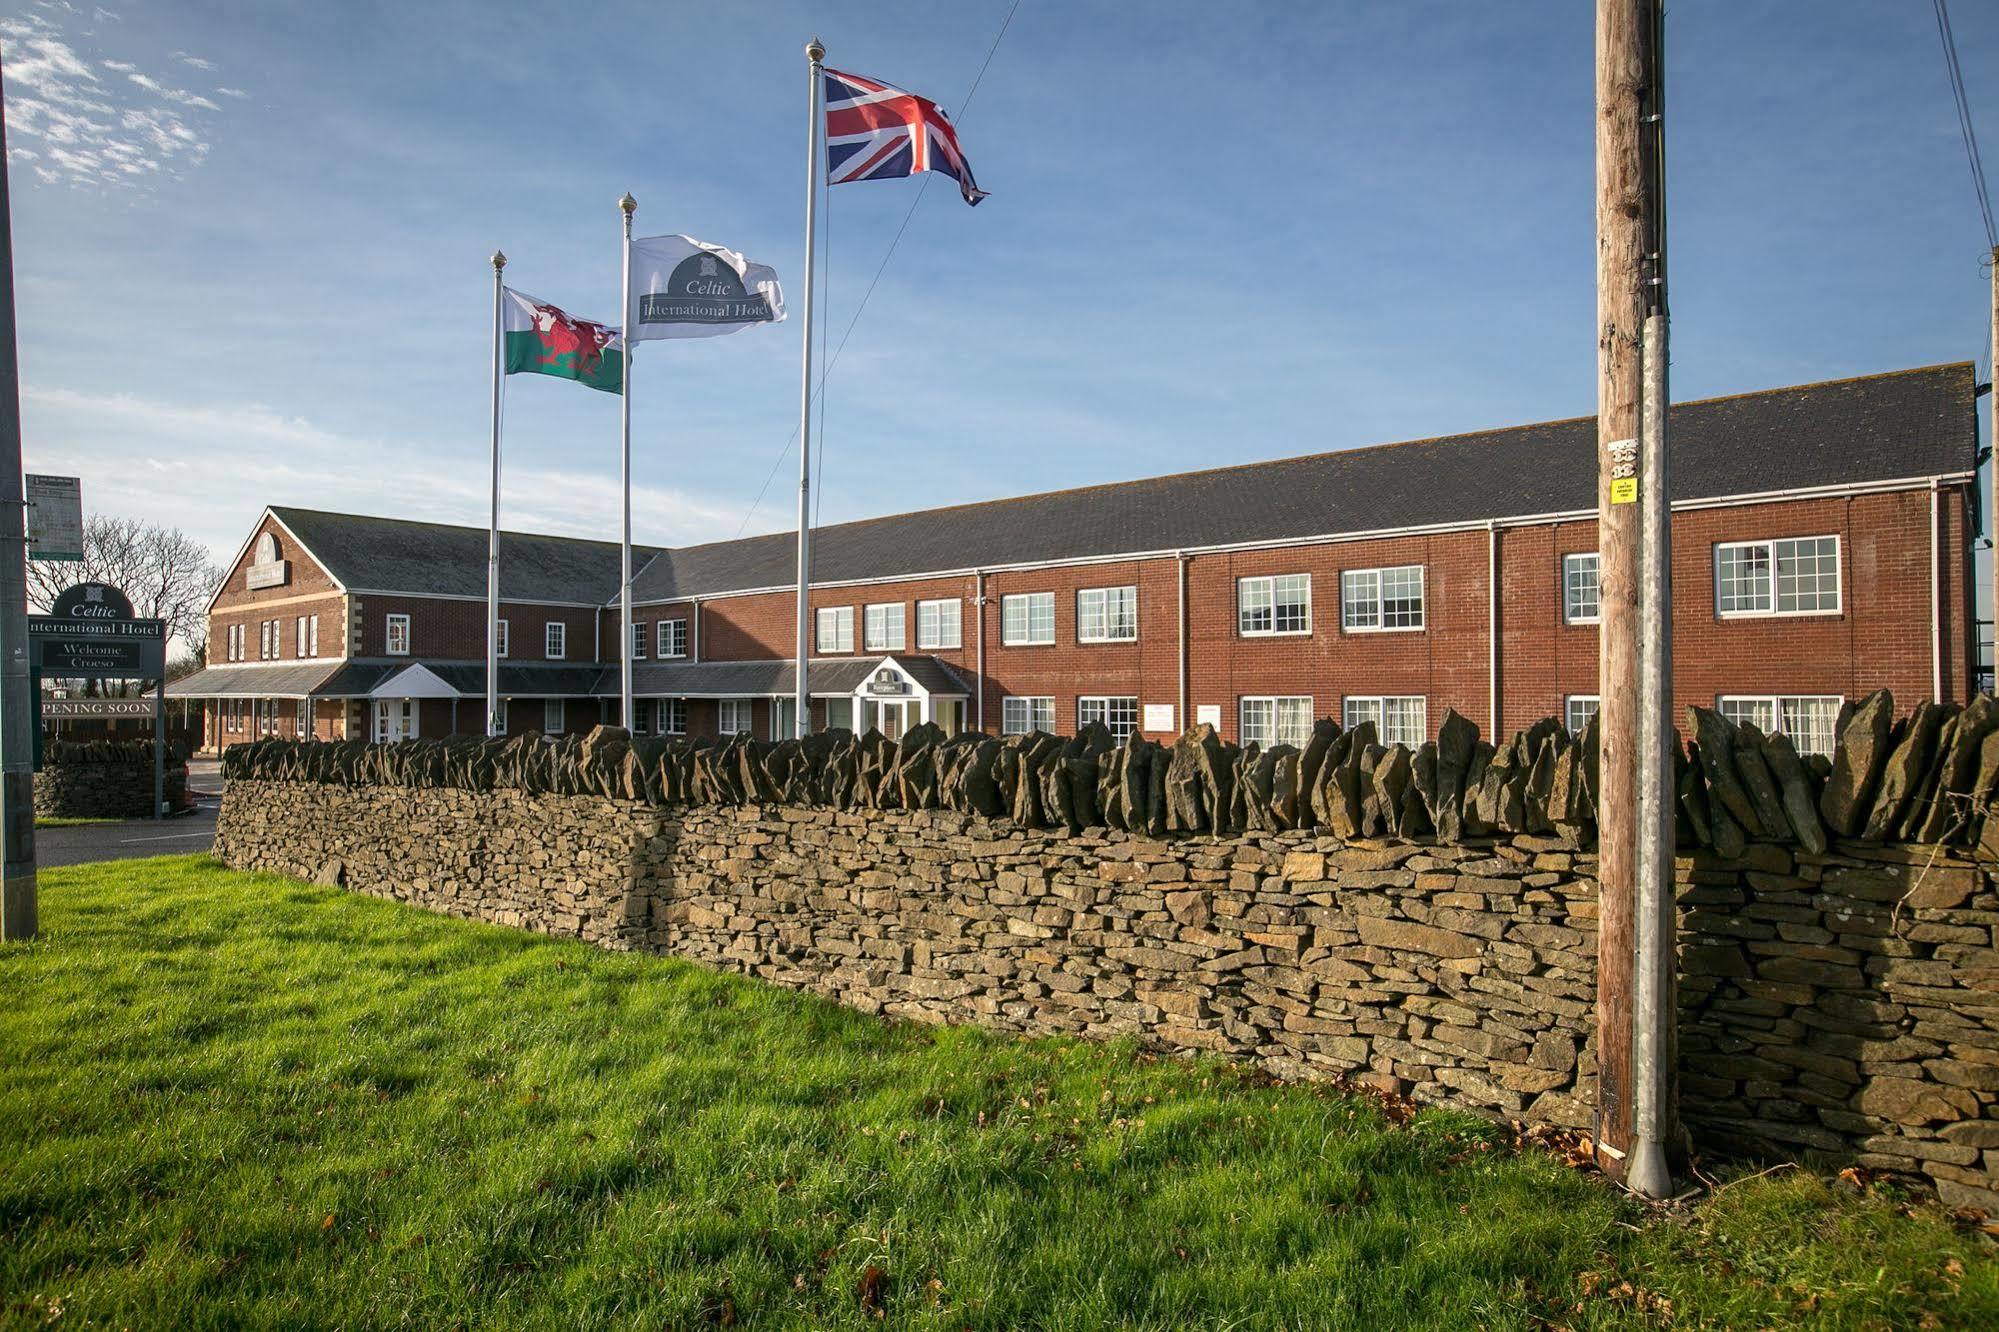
(870, 1291)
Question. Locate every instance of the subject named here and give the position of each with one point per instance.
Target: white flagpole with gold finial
(814, 53)
(627, 205)
(493, 526)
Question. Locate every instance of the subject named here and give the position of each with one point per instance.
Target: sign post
(55, 517)
(90, 633)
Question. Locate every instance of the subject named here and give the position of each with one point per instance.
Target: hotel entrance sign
(90, 633)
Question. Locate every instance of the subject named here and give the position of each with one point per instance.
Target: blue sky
(1216, 234)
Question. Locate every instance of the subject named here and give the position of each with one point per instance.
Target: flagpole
(814, 53)
(627, 205)
(493, 525)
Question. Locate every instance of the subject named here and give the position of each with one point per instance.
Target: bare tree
(167, 574)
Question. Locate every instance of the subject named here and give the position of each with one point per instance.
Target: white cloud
(193, 62)
(231, 92)
(217, 464)
(89, 133)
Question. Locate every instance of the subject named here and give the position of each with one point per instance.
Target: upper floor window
(1019, 715)
(1579, 588)
(1792, 576)
(1267, 721)
(1281, 604)
(555, 640)
(836, 629)
(1107, 615)
(267, 646)
(937, 624)
(1027, 619)
(1378, 599)
(736, 715)
(396, 640)
(1577, 709)
(638, 642)
(1119, 714)
(232, 643)
(298, 636)
(1810, 720)
(1399, 719)
(672, 638)
(500, 638)
(886, 627)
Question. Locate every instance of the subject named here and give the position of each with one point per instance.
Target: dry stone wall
(105, 779)
(1843, 1000)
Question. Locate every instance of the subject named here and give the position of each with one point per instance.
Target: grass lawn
(235, 1100)
(65, 821)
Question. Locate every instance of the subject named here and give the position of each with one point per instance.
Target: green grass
(235, 1100)
(66, 821)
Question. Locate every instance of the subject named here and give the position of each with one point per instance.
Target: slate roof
(522, 679)
(435, 559)
(763, 679)
(1902, 425)
(326, 679)
(1911, 423)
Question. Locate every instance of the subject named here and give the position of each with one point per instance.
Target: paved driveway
(133, 838)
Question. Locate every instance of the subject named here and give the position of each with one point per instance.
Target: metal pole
(493, 523)
(627, 205)
(1992, 442)
(18, 906)
(1492, 627)
(160, 748)
(814, 53)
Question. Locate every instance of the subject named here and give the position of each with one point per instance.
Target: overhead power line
(826, 373)
(1955, 73)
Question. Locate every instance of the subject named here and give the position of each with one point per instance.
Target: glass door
(395, 719)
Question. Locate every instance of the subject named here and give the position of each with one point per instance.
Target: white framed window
(555, 640)
(641, 716)
(1399, 719)
(312, 636)
(302, 723)
(886, 626)
(1274, 720)
(1808, 719)
(839, 714)
(1580, 588)
(264, 636)
(396, 639)
(1379, 600)
(1119, 714)
(500, 718)
(1107, 615)
(551, 716)
(673, 716)
(937, 624)
(298, 638)
(737, 714)
(836, 629)
(1791, 576)
(1577, 709)
(1027, 619)
(1019, 714)
(671, 638)
(1278, 604)
(638, 642)
(500, 638)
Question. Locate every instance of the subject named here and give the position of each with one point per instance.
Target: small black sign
(886, 681)
(91, 601)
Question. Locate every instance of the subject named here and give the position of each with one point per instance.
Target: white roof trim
(414, 681)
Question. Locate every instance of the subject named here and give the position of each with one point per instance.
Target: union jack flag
(875, 132)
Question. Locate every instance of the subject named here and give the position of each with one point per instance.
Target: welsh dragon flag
(544, 339)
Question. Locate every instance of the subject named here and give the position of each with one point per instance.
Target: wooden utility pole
(1634, 1045)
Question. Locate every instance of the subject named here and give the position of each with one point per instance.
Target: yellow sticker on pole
(1621, 455)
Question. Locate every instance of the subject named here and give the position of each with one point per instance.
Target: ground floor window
(641, 711)
(1119, 714)
(1020, 715)
(1275, 719)
(1808, 719)
(551, 716)
(1577, 709)
(1399, 719)
(736, 716)
(839, 714)
(673, 716)
(305, 719)
(500, 718)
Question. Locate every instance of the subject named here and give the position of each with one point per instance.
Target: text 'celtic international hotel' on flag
(876, 132)
(685, 288)
(544, 339)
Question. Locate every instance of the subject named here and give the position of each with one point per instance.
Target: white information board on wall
(1159, 717)
(1208, 714)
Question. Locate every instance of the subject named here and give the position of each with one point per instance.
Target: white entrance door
(890, 716)
(395, 719)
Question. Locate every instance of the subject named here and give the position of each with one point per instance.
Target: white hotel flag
(678, 287)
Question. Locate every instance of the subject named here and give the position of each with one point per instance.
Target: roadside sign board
(55, 517)
(95, 709)
(90, 632)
